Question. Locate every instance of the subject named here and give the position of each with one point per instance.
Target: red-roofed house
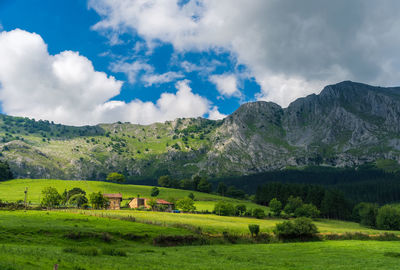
(115, 201)
(143, 202)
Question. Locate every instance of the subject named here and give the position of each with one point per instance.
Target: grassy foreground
(38, 240)
(217, 224)
(13, 190)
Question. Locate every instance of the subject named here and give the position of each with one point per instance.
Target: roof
(163, 202)
(113, 195)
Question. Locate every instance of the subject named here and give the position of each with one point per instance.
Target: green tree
(307, 210)
(204, 186)
(196, 181)
(50, 197)
(301, 228)
(191, 196)
(388, 218)
(5, 171)
(222, 188)
(164, 181)
(223, 208)
(97, 200)
(155, 191)
(186, 205)
(258, 213)
(240, 209)
(254, 229)
(78, 199)
(292, 204)
(186, 184)
(152, 203)
(115, 177)
(366, 213)
(275, 206)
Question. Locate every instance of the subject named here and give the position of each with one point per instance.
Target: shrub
(240, 209)
(365, 213)
(154, 192)
(223, 208)
(254, 229)
(292, 204)
(307, 210)
(97, 200)
(258, 213)
(51, 197)
(388, 218)
(275, 206)
(186, 205)
(301, 228)
(79, 200)
(115, 177)
(191, 195)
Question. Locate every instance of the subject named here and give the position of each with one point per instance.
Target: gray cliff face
(345, 125)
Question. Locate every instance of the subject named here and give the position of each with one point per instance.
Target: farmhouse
(143, 202)
(115, 201)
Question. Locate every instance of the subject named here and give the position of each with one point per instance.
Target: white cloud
(65, 88)
(152, 79)
(291, 47)
(214, 114)
(226, 84)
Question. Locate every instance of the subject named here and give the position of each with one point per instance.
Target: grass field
(13, 190)
(36, 240)
(217, 224)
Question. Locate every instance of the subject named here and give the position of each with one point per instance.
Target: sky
(81, 62)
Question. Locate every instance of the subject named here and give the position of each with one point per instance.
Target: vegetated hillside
(13, 190)
(347, 124)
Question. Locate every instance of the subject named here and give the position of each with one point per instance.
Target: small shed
(115, 200)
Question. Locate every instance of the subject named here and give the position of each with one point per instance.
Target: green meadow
(13, 190)
(214, 224)
(41, 239)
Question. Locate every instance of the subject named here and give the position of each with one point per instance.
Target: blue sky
(156, 60)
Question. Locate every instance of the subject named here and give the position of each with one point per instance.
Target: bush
(292, 204)
(254, 229)
(258, 213)
(275, 206)
(97, 200)
(51, 197)
(240, 209)
(154, 192)
(115, 177)
(307, 210)
(186, 205)
(365, 213)
(79, 200)
(223, 208)
(388, 218)
(301, 228)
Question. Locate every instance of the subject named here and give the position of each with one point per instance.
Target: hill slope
(347, 124)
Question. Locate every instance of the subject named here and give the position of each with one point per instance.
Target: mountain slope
(345, 125)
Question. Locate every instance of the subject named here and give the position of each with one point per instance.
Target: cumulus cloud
(226, 84)
(214, 114)
(291, 47)
(65, 88)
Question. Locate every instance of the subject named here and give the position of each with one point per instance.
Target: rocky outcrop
(345, 125)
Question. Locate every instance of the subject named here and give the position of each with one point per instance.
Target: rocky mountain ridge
(347, 124)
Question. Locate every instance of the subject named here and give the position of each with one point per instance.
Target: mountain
(347, 124)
